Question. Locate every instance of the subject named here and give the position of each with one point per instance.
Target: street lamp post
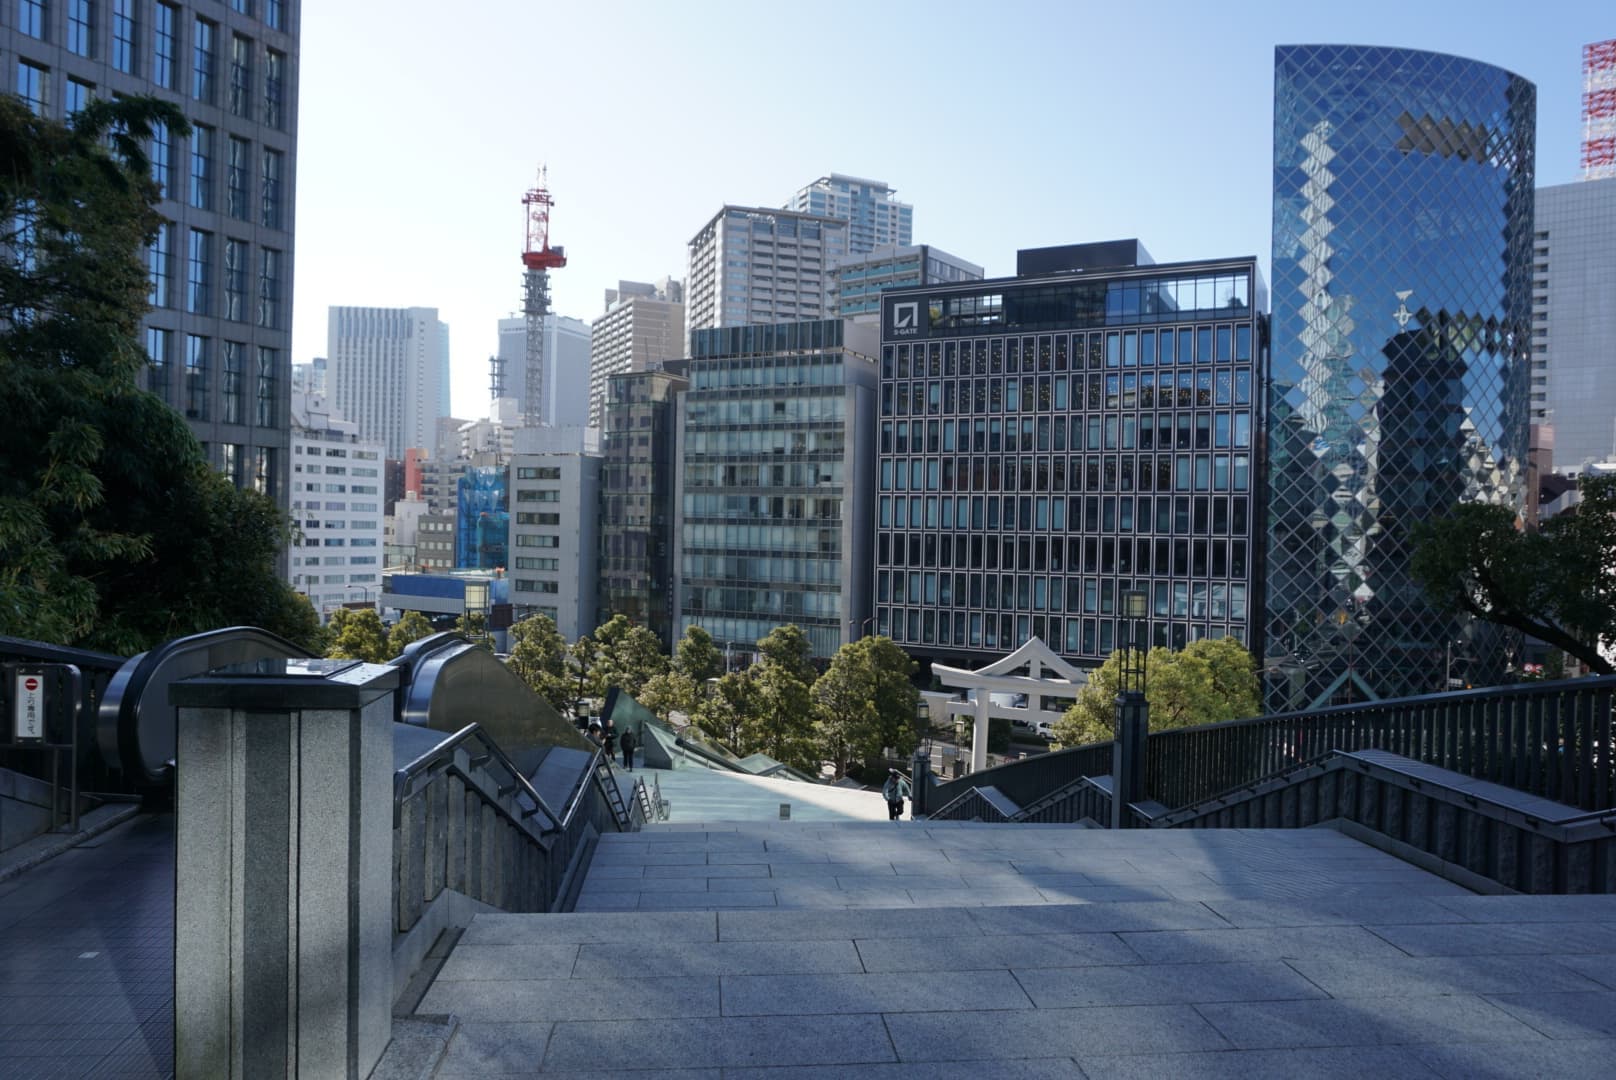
(863, 628)
(1132, 725)
(364, 588)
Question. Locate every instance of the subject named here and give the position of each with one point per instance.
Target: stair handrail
(442, 754)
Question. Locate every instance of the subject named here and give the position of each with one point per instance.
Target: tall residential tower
(875, 218)
(388, 372)
(644, 323)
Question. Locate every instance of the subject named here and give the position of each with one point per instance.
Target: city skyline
(1009, 96)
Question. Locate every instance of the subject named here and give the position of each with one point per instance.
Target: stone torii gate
(1004, 676)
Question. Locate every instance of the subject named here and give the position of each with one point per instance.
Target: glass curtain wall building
(1403, 194)
(773, 507)
(1048, 442)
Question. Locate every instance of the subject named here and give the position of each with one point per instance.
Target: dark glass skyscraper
(1403, 192)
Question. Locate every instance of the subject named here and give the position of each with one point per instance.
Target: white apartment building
(554, 487)
(644, 323)
(336, 505)
(565, 385)
(874, 216)
(388, 371)
(753, 265)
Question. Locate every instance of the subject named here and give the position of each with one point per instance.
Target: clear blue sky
(1010, 124)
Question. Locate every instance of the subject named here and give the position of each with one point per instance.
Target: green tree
(358, 635)
(782, 724)
(1557, 584)
(865, 702)
(411, 627)
(114, 531)
(581, 666)
(725, 714)
(1207, 682)
(627, 656)
(473, 626)
(672, 691)
(697, 657)
(539, 659)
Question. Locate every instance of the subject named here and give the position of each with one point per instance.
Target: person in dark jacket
(608, 739)
(895, 790)
(628, 750)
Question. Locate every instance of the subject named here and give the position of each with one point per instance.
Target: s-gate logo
(906, 319)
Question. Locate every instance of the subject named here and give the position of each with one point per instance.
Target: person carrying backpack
(895, 790)
(627, 743)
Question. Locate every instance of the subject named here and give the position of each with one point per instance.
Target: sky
(1019, 123)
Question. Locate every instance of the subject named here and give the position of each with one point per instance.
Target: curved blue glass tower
(1403, 194)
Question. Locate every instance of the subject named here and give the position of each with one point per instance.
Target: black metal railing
(1030, 779)
(1550, 739)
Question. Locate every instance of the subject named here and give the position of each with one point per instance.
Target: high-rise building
(388, 370)
(1574, 320)
(1599, 110)
(753, 266)
(772, 494)
(219, 332)
(1402, 266)
(1051, 441)
(310, 378)
(336, 504)
(856, 281)
(565, 388)
(636, 499)
(875, 218)
(555, 526)
(644, 323)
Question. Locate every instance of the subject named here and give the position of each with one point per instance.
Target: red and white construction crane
(539, 258)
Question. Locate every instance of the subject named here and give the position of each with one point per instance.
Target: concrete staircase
(914, 949)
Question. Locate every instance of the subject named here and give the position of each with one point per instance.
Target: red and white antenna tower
(539, 258)
(1599, 110)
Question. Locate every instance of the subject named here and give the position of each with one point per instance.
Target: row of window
(234, 363)
(1220, 344)
(541, 472)
(251, 289)
(1091, 473)
(1058, 393)
(245, 466)
(1146, 431)
(203, 174)
(992, 592)
(1004, 632)
(1200, 557)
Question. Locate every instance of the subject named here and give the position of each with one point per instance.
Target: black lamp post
(1133, 715)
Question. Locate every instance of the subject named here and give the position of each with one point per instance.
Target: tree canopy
(539, 658)
(411, 627)
(697, 657)
(358, 635)
(865, 702)
(114, 531)
(1208, 682)
(1557, 583)
(626, 655)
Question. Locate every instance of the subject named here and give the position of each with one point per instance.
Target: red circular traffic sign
(30, 683)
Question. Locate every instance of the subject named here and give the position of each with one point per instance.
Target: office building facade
(1574, 320)
(636, 499)
(388, 372)
(336, 504)
(644, 324)
(564, 388)
(219, 329)
(875, 218)
(855, 282)
(772, 492)
(755, 266)
(1051, 441)
(555, 527)
(1402, 264)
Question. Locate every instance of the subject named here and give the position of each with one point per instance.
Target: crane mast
(539, 258)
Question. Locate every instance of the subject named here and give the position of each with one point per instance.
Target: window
(33, 85)
(243, 6)
(236, 179)
(202, 139)
(268, 362)
(31, 18)
(196, 377)
(81, 27)
(269, 288)
(202, 62)
(232, 461)
(124, 33)
(274, 89)
(263, 480)
(235, 279)
(78, 96)
(270, 188)
(275, 14)
(241, 50)
(230, 388)
(165, 45)
(157, 348)
(162, 158)
(159, 266)
(198, 273)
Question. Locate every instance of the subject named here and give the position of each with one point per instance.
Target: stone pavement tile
(730, 856)
(1364, 1022)
(963, 897)
(637, 884)
(981, 953)
(939, 925)
(905, 881)
(509, 962)
(1600, 967)
(1586, 1015)
(617, 901)
(1266, 943)
(1569, 1059)
(1095, 918)
(1334, 1063)
(657, 873)
(965, 1036)
(503, 929)
(1105, 894)
(1542, 939)
(601, 870)
(805, 995)
(1533, 909)
(1005, 1069)
(727, 1042)
(1047, 879)
(62, 1067)
(1406, 976)
(726, 884)
(829, 869)
(630, 857)
(1340, 911)
(707, 901)
(719, 958)
(483, 1050)
(1163, 984)
(544, 1000)
(797, 891)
